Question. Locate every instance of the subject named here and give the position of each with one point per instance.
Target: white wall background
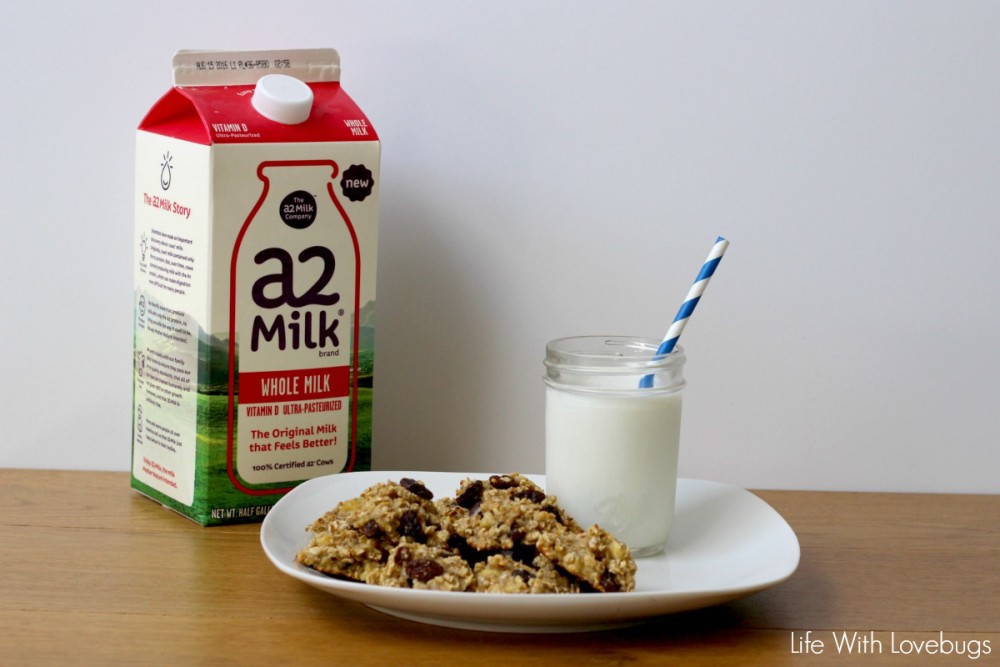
(558, 168)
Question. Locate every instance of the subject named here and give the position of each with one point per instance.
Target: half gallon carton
(256, 216)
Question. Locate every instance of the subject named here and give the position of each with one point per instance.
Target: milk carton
(256, 220)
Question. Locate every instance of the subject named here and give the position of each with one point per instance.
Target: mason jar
(612, 435)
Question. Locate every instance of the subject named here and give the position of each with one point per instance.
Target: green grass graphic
(213, 489)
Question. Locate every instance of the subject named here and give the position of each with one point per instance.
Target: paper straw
(690, 301)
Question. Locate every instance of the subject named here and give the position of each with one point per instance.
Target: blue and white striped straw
(690, 301)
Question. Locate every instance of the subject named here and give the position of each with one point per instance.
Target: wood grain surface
(95, 574)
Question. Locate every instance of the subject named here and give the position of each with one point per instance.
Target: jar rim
(612, 363)
(609, 353)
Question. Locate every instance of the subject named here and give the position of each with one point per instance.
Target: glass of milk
(611, 446)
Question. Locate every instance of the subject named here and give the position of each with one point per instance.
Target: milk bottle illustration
(293, 330)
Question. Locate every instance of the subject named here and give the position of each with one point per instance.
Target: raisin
(608, 583)
(469, 554)
(502, 481)
(416, 488)
(371, 530)
(531, 495)
(471, 496)
(523, 574)
(410, 526)
(423, 569)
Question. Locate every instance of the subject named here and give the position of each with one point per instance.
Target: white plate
(726, 543)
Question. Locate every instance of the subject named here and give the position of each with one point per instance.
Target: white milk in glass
(611, 447)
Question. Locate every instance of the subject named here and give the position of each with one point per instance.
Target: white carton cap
(283, 99)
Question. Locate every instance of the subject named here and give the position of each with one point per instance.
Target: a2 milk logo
(357, 182)
(166, 171)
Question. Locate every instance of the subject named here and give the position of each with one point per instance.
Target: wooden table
(93, 574)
